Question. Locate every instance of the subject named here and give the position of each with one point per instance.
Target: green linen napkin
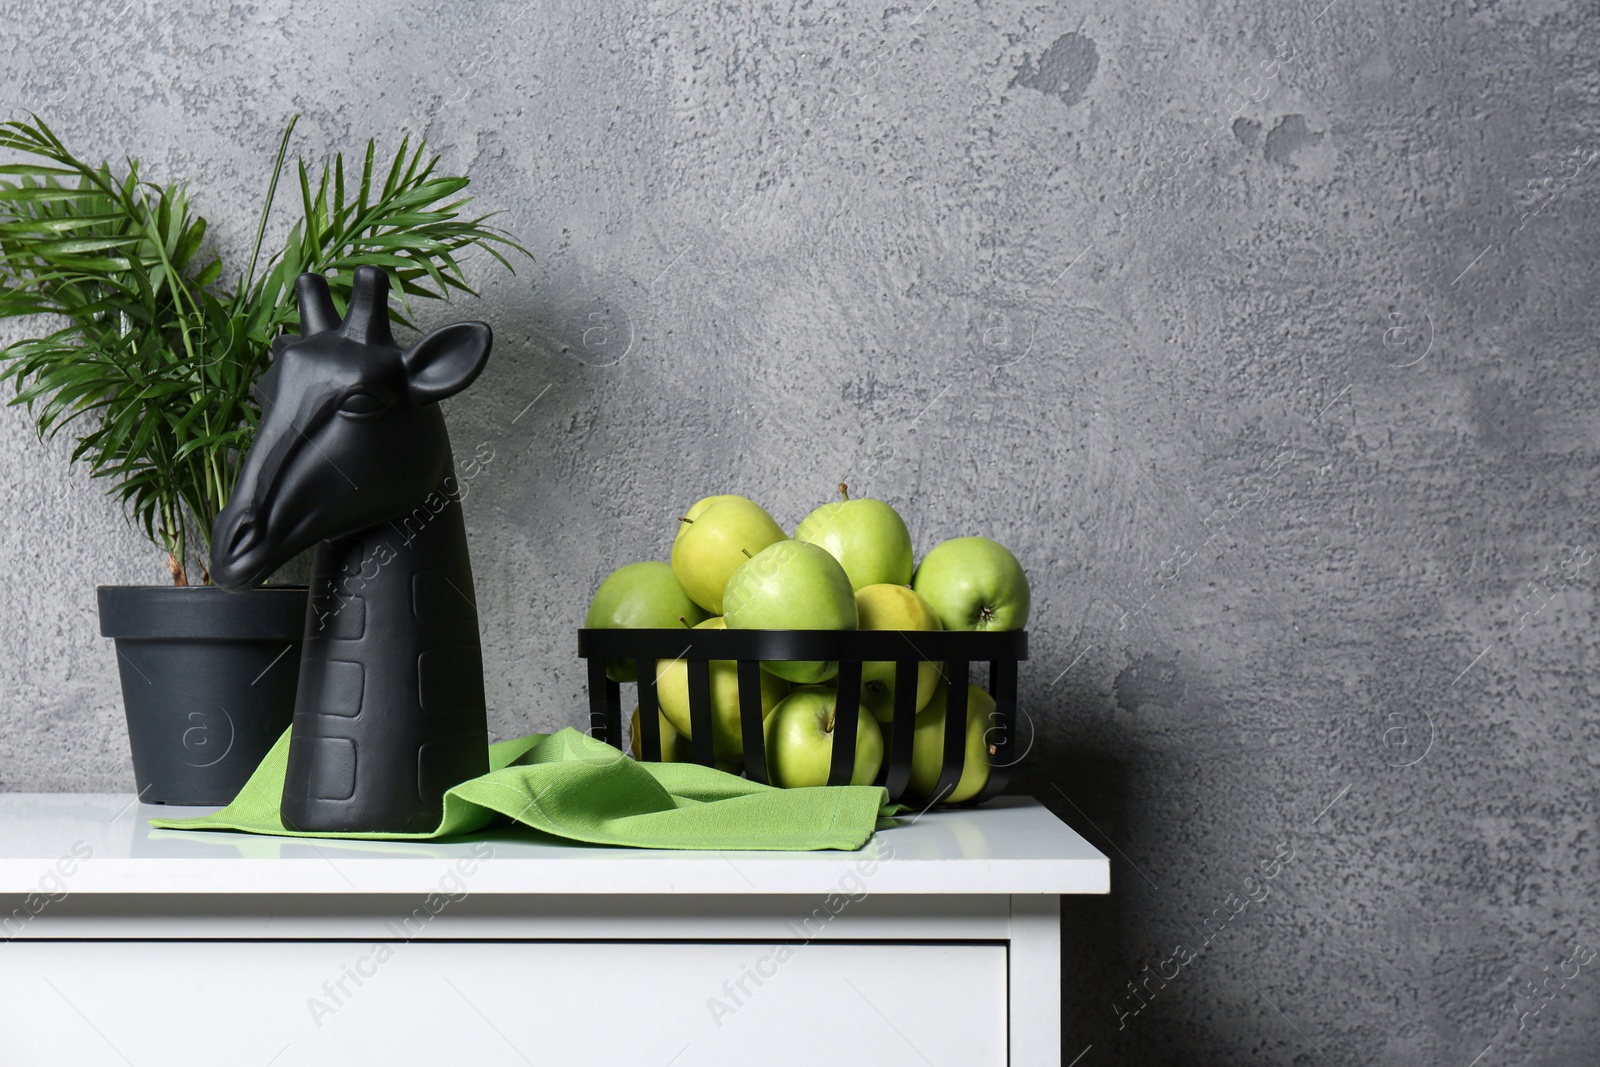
(573, 786)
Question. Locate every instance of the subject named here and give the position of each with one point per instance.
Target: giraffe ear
(446, 361)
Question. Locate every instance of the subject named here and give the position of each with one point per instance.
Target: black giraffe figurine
(352, 456)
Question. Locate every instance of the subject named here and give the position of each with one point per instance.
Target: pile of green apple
(848, 566)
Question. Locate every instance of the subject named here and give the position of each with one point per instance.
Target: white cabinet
(937, 944)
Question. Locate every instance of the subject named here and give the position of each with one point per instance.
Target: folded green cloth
(573, 786)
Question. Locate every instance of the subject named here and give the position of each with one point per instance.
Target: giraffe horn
(366, 320)
(316, 306)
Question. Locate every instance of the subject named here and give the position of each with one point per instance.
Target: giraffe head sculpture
(350, 433)
(390, 708)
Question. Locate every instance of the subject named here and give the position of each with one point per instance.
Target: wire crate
(957, 650)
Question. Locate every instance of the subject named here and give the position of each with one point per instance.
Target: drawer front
(343, 1003)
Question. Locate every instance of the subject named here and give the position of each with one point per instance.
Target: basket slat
(902, 730)
(751, 724)
(700, 711)
(955, 729)
(847, 712)
(649, 711)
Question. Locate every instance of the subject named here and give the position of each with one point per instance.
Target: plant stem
(172, 534)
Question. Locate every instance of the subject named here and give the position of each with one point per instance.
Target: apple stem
(831, 716)
(685, 622)
(684, 518)
(844, 490)
(747, 554)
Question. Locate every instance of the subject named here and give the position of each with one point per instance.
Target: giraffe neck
(384, 569)
(390, 711)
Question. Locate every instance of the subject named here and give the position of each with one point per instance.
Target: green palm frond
(153, 367)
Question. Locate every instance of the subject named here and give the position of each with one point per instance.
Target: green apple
(799, 740)
(974, 583)
(715, 539)
(791, 585)
(927, 746)
(699, 506)
(672, 691)
(867, 537)
(638, 595)
(674, 746)
(893, 607)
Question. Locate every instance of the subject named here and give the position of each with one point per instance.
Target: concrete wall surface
(1263, 334)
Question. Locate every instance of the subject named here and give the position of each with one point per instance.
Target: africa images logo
(208, 738)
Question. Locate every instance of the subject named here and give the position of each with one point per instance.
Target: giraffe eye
(360, 405)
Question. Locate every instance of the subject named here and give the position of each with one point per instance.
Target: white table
(936, 944)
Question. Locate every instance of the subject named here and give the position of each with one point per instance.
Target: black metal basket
(956, 649)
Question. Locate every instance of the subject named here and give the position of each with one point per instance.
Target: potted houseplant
(153, 350)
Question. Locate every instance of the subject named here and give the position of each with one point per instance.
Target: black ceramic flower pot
(208, 682)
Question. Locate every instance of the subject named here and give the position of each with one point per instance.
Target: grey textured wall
(1264, 334)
